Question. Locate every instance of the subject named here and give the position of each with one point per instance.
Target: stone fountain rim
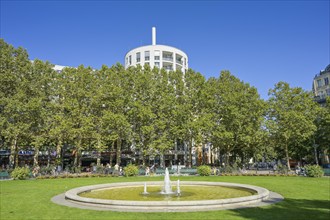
(124, 205)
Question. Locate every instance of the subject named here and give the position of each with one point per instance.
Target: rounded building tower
(161, 56)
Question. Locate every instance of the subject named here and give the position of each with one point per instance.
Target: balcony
(170, 68)
(168, 58)
(179, 61)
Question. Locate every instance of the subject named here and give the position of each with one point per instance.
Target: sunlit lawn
(305, 198)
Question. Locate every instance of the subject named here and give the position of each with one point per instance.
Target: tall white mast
(153, 36)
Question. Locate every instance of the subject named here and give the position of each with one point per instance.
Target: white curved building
(161, 56)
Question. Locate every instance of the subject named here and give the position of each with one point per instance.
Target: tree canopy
(148, 111)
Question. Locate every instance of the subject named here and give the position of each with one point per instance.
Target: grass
(305, 198)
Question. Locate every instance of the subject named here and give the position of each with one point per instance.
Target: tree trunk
(227, 159)
(13, 154)
(190, 154)
(98, 159)
(175, 151)
(59, 152)
(315, 154)
(48, 157)
(185, 157)
(161, 161)
(118, 153)
(325, 157)
(143, 159)
(242, 160)
(77, 158)
(111, 150)
(287, 157)
(36, 157)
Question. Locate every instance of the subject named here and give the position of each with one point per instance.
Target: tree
(15, 68)
(291, 117)
(40, 98)
(142, 115)
(237, 113)
(322, 135)
(189, 112)
(75, 97)
(116, 101)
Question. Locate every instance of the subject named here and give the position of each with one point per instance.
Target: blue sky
(260, 42)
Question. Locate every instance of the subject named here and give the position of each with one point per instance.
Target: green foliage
(47, 170)
(20, 173)
(204, 170)
(281, 169)
(150, 109)
(131, 170)
(100, 169)
(229, 169)
(314, 171)
(291, 118)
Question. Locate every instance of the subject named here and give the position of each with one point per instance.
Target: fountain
(178, 192)
(145, 189)
(167, 188)
(196, 196)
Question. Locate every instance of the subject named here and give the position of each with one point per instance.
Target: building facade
(321, 85)
(161, 56)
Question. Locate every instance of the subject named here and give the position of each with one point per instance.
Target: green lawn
(305, 198)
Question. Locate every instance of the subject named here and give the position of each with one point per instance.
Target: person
(35, 171)
(214, 169)
(147, 171)
(152, 168)
(116, 171)
(107, 168)
(116, 167)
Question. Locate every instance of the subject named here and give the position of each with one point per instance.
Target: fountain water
(178, 192)
(167, 188)
(145, 189)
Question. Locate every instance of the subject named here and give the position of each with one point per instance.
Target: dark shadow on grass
(289, 209)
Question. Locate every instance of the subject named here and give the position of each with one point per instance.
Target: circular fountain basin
(153, 193)
(260, 195)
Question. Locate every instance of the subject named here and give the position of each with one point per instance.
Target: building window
(130, 60)
(319, 83)
(138, 57)
(157, 55)
(147, 55)
(326, 81)
(167, 56)
(157, 64)
(179, 59)
(328, 92)
(168, 67)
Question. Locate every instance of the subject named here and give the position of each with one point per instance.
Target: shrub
(204, 170)
(99, 169)
(227, 169)
(131, 170)
(282, 169)
(20, 173)
(47, 170)
(314, 171)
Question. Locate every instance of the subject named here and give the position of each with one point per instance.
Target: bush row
(132, 170)
(75, 175)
